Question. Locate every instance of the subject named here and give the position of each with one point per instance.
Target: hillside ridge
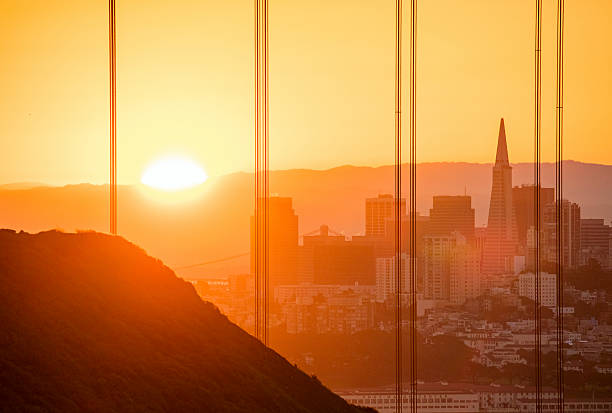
(90, 322)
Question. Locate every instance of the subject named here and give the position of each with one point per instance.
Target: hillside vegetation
(89, 322)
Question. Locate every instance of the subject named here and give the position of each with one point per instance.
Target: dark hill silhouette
(217, 225)
(90, 323)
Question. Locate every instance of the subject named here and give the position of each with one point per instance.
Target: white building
(604, 368)
(520, 263)
(430, 398)
(548, 288)
(386, 280)
(473, 398)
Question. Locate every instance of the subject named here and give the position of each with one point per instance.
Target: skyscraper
(386, 281)
(283, 242)
(344, 263)
(570, 233)
(501, 237)
(451, 268)
(595, 241)
(465, 271)
(452, 213)
(307, 252)
(522, 200)
(378, 211)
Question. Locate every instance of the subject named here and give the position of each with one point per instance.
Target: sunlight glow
(173, 174)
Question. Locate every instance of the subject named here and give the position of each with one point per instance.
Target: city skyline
(329, 206)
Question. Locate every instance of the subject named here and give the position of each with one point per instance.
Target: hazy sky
(185, 77)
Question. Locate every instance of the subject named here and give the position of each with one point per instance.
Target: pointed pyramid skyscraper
(502, 147)
(501, 236)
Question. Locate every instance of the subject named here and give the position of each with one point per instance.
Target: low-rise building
(430, 398)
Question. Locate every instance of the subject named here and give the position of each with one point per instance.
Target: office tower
(501, 238)
(451, 268)
(283, 242)
(436, 267)
(387, 248)
(570, 234)
(523, 202)
(344, 263)
(386, 280)
(480, 234)
(595, 241)
(306, 251)
(378, 210)
(450, 214)
(464, 271)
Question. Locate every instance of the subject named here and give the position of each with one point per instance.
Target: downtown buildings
(344, 288)
(456, 262)
(343, 291)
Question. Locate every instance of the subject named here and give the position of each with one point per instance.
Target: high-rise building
(450, 214)
(451, 268)
(283, 242)
(436, 267)
(480, 234)
(570, 234)
(501, 238)
(344, 263)
(386, 278)
(422, 228)
(594, 233)
(378, 211)
(307, 252)
(523, 202)
(465, 282)
(595, 241)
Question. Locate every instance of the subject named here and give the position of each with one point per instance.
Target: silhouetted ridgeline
(89, 322)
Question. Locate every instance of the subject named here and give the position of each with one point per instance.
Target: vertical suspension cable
(257, 223)
(399, 267)
(262, 188)
(413, 203)
(113, 116)
(537, 211)
(266, 130)
(559, 206)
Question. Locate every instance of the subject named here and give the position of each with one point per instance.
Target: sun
(173, 174)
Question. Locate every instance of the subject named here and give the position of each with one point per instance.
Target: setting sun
(173, 174)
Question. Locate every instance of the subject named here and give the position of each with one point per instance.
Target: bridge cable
(399, 268)
(113, 115)
(413, 210)
(559, 206)
(537, 204)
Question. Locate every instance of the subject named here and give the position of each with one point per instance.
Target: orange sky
(185, 74)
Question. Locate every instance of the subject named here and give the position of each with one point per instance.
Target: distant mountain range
(22, 185)
(90, 323)
(217, 224)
